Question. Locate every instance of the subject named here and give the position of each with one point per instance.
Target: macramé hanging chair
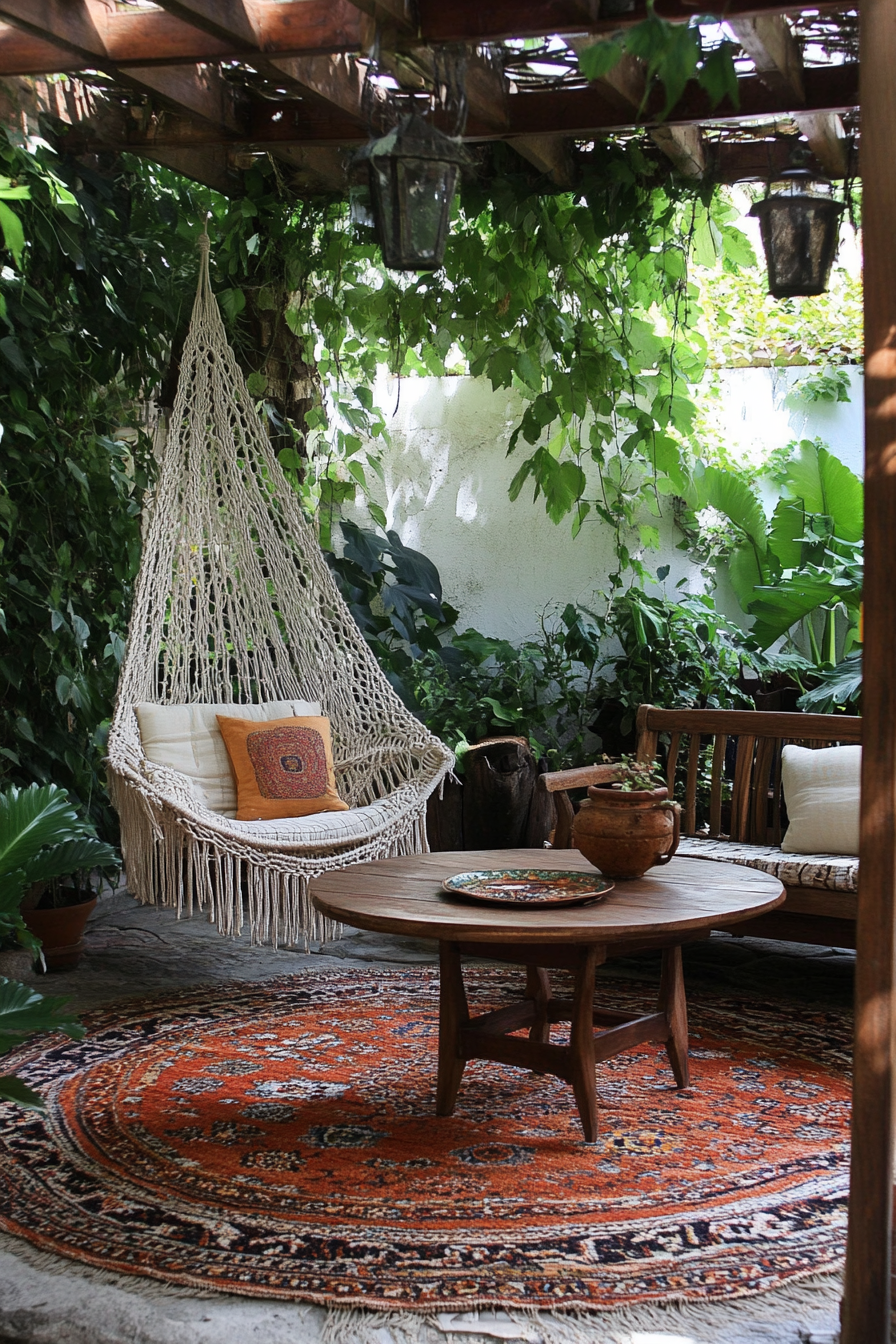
(235, 605)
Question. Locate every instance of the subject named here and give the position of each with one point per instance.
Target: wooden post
(866, 1303)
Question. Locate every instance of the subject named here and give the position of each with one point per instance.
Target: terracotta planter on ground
(61, 932)
(624, 834)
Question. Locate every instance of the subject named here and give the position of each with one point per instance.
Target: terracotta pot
(61, 933)
(624, 834)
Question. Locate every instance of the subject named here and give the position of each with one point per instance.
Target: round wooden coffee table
(667, 907)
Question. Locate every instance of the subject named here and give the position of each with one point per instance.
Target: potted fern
(47, 856)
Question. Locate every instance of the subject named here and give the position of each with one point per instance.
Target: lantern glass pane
(425, 190)
(799, 234)
(383, 208)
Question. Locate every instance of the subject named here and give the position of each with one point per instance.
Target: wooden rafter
(473, 21)
(769, 40)
(306, 27)
(587, 112)
(626, 85)
(311, 49)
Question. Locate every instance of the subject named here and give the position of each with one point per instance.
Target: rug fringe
(806, 1312)
(61, 1266)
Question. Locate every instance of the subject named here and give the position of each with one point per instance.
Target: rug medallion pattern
(280, 1140)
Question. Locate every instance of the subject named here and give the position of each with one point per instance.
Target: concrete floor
(137, 951)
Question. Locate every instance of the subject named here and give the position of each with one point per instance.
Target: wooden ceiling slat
(474, 21)
(586, 112)
(69, 26)
(581, 112)
(23, 54)
(778, 58)
(198, 91)
(77, 35)
(228, 20)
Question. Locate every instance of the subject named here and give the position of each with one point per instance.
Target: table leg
(672, 1002)
(581, 1044)
(453, 1015)
(538, 988)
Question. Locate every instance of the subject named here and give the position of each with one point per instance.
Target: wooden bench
(741, 750)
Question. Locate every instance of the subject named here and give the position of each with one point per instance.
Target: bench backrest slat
(756, 795)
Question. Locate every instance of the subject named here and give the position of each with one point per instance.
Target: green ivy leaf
(598, 60)
(718, 75)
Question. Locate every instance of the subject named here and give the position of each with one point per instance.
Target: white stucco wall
(447, 476)
(757, 412)
(502, 563)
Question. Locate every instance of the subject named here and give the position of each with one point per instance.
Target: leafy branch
(672, 54)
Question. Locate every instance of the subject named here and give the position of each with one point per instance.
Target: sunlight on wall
(504, 564)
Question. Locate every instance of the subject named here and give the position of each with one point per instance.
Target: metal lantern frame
(413, 172)
(800, 233)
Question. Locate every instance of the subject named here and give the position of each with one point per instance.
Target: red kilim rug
(279, 1140)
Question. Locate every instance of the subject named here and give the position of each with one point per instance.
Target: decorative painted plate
(528, 887)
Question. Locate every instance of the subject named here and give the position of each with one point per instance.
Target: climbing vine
(583, 303)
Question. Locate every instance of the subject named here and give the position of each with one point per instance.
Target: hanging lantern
(800, 229)
(413, 173)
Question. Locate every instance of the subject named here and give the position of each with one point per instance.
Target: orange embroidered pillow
(281, 767)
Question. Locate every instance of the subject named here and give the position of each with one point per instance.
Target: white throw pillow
(821, 790)
(187, 739)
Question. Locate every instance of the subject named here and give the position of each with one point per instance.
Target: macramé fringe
(167, 865)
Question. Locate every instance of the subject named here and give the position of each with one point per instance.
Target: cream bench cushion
(186, 738)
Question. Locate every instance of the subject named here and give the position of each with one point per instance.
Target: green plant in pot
(47, 856)
(628, 823)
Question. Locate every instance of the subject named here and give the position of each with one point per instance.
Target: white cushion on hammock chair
(324, 828)
(186, 738)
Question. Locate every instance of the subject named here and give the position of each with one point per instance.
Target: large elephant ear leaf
(827, 486)
(72, 856)
(844, 496)
(787, 527)
(732, 496)
(803, 480)
(745, 574)
(778, 608)
(32, 818)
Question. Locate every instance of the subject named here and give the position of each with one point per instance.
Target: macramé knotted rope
(235, 603)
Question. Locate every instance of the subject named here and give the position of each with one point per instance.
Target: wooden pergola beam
(584, 112)
(236, 22)
(626, 84)
(79, 35)
(827, 140)
(72, 28)
(208, 164)
(866, 1302)
(769, 40)
(198, 91)
(87, 33)
(550, 154)
(472, 21)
